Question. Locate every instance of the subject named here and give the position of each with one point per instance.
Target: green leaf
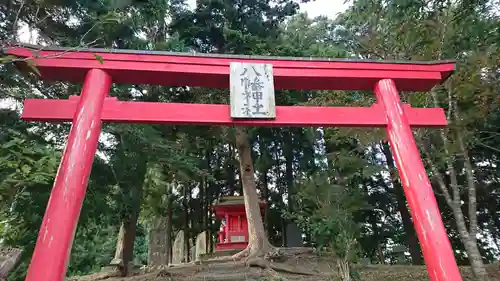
(7, 59)
(110, 17)
(33, 66)
(99, 58)
(26, 169)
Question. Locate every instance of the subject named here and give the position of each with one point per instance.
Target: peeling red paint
(51, 255)
(436, 247)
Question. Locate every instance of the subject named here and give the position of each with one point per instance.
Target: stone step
(219, 253)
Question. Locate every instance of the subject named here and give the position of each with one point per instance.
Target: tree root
(242, 254)
(97, 276)
(9, 259)
(268, 257)
(275, 275)
(279, 267)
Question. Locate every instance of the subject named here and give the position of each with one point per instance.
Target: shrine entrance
(87, 111)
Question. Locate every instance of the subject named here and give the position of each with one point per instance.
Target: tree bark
(280, 192)
(452, 193)
(258, 244)
(265, 194)
(411, 236)
(186, 229)
(376, 239)
(209, 237)
(470, 243)
(124, 253)
(454, 202)
(289, 170)
(131, 182)
(202, 216)
(475, 257)
(9, 259)
(206, 200)
(168, 243)
(264, 181)
(231, 171)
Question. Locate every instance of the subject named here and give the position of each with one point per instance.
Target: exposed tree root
(9, 259)
(242, 254)
(163, 273)
(268, 257)
(256, 247)
(275, 275)
(97, 276)
(279, 267)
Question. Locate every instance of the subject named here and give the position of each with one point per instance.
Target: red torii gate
(52, 250)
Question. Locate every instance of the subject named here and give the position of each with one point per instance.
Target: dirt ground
(323, 269)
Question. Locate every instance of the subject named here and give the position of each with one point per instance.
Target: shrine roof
(212, 70)
(232, 200)
(13, 50)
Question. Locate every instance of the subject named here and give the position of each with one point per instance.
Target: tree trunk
(209, 237)
(131, 183)
(476, 260)
(206, 200)
(194, 225)
(454, 203)
(124, 253)
(411, 236)
(168, 243)
(202, 216)
(231, 171)
(344, 270)
(258, 244)
(475, 257)
(9, 259)
(470, 244)
(265, 194)
(280, 192)
(453, 197)
(264, 182)
(186, 228)
(289, 170)
(376, 238)
(380, 253)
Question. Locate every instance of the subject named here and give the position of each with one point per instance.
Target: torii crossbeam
(385, 78)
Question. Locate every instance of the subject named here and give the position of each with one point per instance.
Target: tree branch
(451, 158)
(440, 181)
(471, 182)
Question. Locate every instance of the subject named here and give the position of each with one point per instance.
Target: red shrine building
(233, 234)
